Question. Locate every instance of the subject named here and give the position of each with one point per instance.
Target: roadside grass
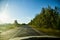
(6, 27)
(48, 31)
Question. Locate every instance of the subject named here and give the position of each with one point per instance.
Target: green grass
(5, 27)
(48, 31)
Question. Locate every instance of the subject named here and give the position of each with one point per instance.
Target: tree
(16, 23)
(48, 18)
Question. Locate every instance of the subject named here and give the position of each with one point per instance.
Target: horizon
(23, 10)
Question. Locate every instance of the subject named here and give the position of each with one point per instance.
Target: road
(22, 31)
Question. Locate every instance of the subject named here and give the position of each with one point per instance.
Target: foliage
(49, 31)
(48, 18)
(4, 27)
(16, 23)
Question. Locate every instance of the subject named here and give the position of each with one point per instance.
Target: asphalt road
(22, 31)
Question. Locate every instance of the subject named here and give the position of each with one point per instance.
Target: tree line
(47, 18)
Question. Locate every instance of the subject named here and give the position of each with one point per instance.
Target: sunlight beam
(4, 16)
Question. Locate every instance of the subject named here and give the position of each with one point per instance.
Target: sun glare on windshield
(29, 19)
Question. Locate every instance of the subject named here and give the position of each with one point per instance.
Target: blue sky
(23, 10)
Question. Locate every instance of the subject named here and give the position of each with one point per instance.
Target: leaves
(48, 18)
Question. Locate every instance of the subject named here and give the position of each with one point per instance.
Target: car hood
(27, 37)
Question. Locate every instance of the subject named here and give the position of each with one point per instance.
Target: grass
(48, 31)
(6, 27)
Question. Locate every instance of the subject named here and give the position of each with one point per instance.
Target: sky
(23, 10)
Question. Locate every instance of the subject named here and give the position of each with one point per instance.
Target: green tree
(16, 23)
(48, 18)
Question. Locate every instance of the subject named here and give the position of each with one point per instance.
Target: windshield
(29, 19)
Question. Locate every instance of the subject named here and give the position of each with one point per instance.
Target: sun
(4, 15)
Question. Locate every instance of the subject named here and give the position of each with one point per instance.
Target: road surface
(22, 31)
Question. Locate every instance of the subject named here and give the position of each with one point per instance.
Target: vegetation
(16, 23)
(4, 27)
(48, 21)
(48, 18)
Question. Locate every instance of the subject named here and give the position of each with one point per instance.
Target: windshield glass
(21, 19)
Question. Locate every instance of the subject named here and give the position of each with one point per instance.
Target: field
(5, 27)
